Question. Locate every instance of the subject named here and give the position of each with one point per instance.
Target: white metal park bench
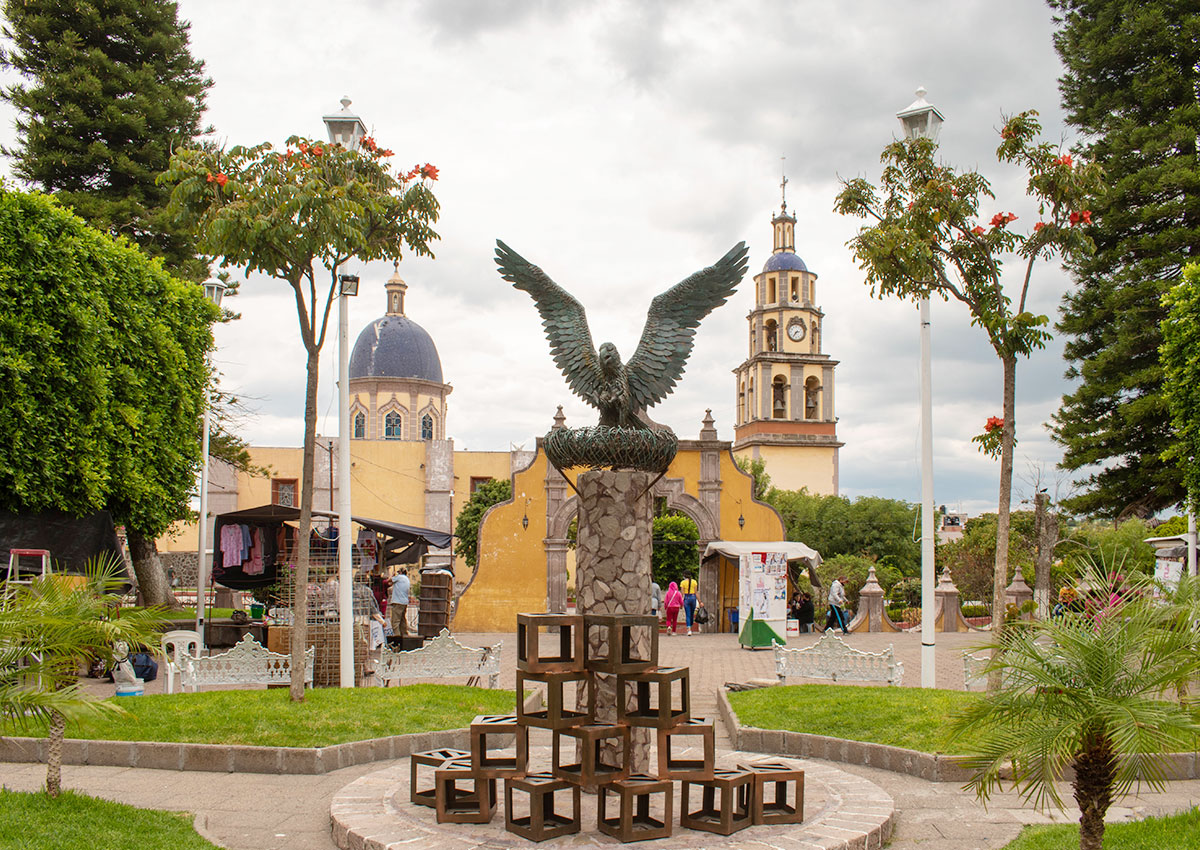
(247, 663)
(831, 658)
(441, 658)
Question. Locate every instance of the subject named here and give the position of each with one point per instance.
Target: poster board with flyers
(763, 580)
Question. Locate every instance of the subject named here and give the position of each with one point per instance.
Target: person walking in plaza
(398, 603)
(837, 602)
(672, 602)
(688, 589)
(655, 598)
(806, 614)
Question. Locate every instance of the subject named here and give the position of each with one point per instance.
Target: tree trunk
(1004, 512)
(147, 566)
(299, 639)
(1095, 773)
(54, 748)
(1046, 532)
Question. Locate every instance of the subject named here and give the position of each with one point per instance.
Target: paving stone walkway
(271, 812)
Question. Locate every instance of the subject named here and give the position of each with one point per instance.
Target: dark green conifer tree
(108, 89)
(1131, 85)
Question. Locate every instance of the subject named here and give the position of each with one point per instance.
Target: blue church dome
(784, 261)
(395, 346)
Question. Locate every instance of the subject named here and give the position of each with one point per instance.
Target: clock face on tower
(796, 329)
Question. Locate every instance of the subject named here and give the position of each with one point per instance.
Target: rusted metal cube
(456, 804)
(778, 777)
(633, 821)
(543, 821)
(621, 657)
(556, 715)
(570, 655)
(734, 789)
(692, 769)
(433, 758)
(659, 703)
(591, 769)
(483, 762)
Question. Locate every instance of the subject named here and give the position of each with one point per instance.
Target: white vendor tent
(753, 573)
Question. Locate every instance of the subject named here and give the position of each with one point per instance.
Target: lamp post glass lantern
(213, 290)
(344, 127)
(922, 120)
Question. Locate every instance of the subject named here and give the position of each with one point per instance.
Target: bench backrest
(441, 658)
(831, 658)
(247, 663)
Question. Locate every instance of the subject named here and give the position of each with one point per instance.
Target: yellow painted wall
(511, 576)
(468, 465)
(791, 467)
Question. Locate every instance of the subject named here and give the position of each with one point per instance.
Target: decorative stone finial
(708, 429)
(560, 419)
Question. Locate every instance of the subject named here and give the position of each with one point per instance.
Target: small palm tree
(47, 630)
(1095, 691)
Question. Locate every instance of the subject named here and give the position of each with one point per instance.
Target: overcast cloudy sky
(622, 146)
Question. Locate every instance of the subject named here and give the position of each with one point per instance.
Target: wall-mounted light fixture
(525, 519)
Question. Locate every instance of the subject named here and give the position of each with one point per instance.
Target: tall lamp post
(345, 128)
(921, 120)
(213, 290)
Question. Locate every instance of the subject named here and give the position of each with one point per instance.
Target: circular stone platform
(840, 811)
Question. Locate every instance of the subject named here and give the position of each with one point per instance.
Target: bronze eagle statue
(620, 390)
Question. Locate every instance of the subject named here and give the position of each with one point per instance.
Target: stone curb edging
(236, 758)
(927, 766)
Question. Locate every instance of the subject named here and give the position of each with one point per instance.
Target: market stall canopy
(734, 549)
(403, 544)
(71, 541)
(792, 549)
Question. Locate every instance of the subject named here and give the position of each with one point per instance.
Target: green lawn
(268, 718)
(1181, 830)
(914, 718)
(38, 822)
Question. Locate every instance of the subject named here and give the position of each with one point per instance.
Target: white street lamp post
(213, 290)
(920, 119)
(347, 129)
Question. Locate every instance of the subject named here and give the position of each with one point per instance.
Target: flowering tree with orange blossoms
(299, 215)
(927, 238)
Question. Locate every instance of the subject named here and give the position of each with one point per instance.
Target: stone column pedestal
(612, 572)
(872, 615)
(1018, 593)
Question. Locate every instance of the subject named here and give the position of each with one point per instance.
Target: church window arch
(796, 288)
(426, 427)
(750, 400)
(743, 414)
(771, 296)
(812, 392)
(393, 426)
(771, 335)
(779, 397)
(360, 425)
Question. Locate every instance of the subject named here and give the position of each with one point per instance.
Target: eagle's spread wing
(562, 317)
(671, 324)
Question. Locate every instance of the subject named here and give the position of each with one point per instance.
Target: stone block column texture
(612, 573)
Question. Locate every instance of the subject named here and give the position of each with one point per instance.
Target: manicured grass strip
(268, 718)
(913, 718)
(1181, 830)
(38, 822)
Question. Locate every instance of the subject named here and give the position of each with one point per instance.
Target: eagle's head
(610, 360)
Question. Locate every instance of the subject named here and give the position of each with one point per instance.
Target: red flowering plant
(991, 440)
(927, 234)
(299, 215)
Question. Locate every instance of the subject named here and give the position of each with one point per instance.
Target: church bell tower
(784, 388)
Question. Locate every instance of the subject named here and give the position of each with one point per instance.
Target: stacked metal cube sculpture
(648, 696)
